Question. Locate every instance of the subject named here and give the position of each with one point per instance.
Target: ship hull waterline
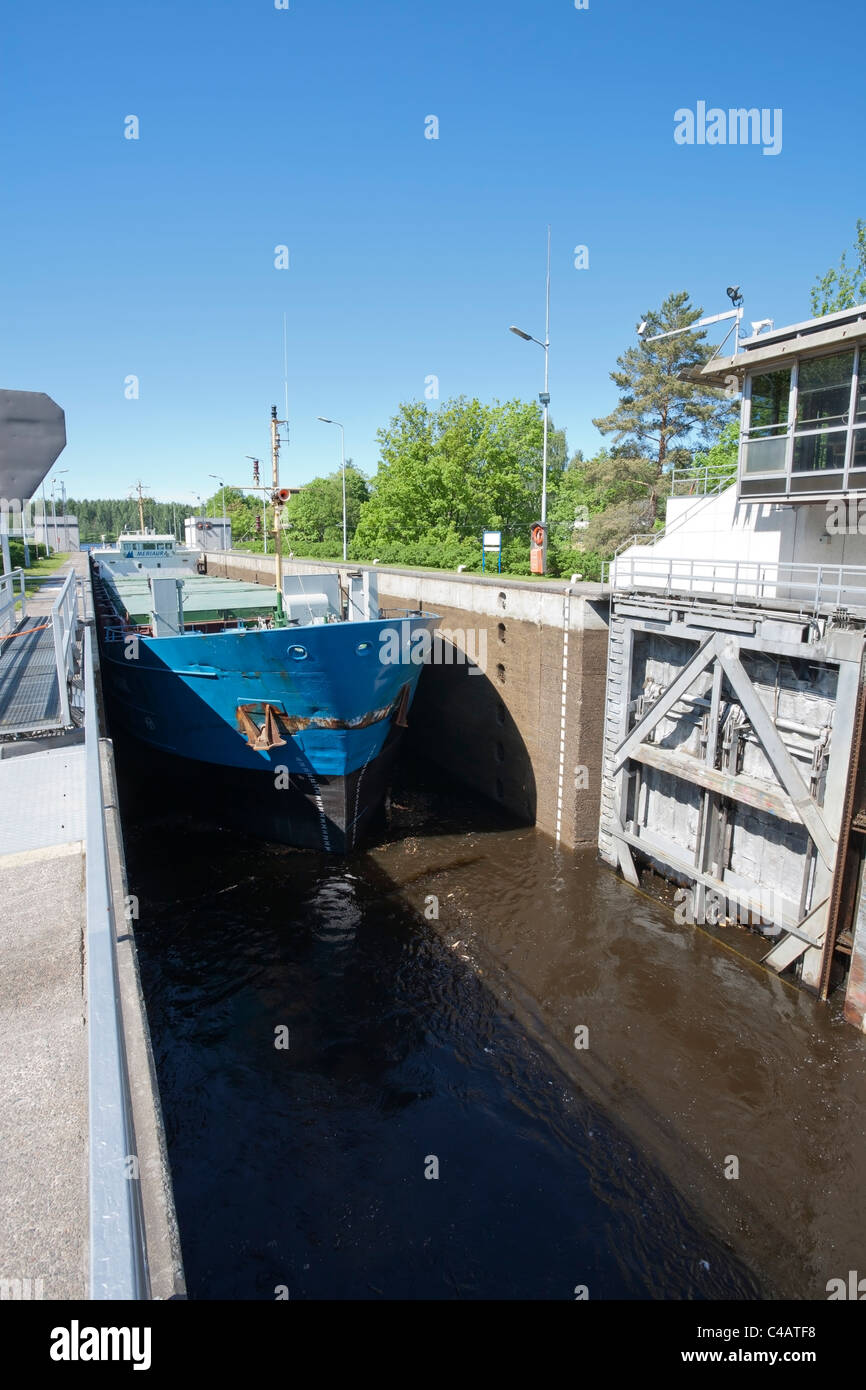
(341, 709)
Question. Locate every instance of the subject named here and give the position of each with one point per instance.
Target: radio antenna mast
(139, 488)
(286, 368)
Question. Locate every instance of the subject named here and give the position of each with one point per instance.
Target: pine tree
(661, 413)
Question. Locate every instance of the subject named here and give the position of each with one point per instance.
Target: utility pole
(545, 399)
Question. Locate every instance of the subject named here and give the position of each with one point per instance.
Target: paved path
(43, 1032)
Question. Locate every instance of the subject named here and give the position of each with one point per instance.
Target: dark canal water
(412, 1040)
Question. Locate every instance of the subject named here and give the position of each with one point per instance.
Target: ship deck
(204, 597)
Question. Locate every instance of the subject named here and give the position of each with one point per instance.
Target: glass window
(765, 455)
(824, 391)
(861, 387)
(858, 458)
(769, 409)
(819, 452)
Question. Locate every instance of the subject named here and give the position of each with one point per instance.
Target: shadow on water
(461, 709)
(304, 1166)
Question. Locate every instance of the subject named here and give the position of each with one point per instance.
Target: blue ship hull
(337, 696)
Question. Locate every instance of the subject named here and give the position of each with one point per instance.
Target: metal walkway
(78, 1097)
(29, 689)
(37, 654)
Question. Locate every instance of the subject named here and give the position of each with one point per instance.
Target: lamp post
(325, 421)
(54, 506)
(544, 396)
(223, 486)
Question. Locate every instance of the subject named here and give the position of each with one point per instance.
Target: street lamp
(325, 421)
(54, 506)
(544, 396)
(223, 486)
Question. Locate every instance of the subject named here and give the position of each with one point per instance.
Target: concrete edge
(591, 589)
(162, 1237)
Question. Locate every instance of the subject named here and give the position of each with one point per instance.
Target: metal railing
(652, 537)
(64, 621)
(809, 586)
(697, 481)
(118, 1265)
(8, 600)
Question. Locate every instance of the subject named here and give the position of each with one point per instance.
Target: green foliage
(315, 514)
(445, 550)
(716, 466)
(108, 516)
(601, 502)
(658, 413)
(244, 510)
(846, 286)
(446, 475)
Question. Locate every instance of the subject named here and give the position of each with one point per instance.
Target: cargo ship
(283, 705)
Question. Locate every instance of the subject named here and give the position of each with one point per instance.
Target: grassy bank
(41, 569)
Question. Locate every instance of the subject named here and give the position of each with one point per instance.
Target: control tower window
(768, 422)
(823, 406)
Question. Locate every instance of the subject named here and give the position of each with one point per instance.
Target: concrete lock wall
(512, 703)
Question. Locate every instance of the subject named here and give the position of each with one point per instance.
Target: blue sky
(409, 257)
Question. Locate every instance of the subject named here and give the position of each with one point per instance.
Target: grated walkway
(29, 691)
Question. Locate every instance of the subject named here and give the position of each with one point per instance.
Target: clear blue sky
(409, 256)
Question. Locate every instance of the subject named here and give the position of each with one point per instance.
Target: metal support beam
(681, 865)
(687, 677)
(748, 790)
(780, 760)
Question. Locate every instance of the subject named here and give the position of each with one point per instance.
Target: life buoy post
(538, 547)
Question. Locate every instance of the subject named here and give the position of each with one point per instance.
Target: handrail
(118, 1264)
(699, 478)
(64, 620)
(652, 537)
(8, 599)
(730, 580)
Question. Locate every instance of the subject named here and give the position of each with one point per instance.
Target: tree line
(447, 473)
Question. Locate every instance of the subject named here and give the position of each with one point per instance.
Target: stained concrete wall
(521, 722)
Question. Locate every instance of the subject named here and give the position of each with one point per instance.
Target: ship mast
(139, 488)
(278, 503)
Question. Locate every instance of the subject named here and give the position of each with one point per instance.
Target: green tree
(447, 474)
(315, 514)
(846, 286)
(661, 412)
(715, 467)
(244, 510)
(108, 516)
